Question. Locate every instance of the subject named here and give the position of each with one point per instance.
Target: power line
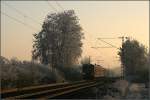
(15, 19)
(20, 12)
(59, 5)
(123, 39)
(108, 43)
(106, 38)
(51, 6)
(100, 47)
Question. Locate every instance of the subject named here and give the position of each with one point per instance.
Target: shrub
(15, 73)
(71, 73)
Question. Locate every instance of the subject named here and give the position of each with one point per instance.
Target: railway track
(50, 91)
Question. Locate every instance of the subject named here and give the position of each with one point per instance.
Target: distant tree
(134, 57)
(59, 41)
(3, 60)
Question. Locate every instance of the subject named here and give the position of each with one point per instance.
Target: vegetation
(57, 47)
(71, 73)
(134, 57)
(17, 74)
(59, 41)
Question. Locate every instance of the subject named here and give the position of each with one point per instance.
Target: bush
(71, 73)
(15, 73)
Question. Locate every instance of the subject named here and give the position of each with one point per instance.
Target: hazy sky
(97, 18)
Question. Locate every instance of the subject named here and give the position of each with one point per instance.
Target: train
(91, 71)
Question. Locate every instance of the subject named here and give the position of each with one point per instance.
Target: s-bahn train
(91, 71)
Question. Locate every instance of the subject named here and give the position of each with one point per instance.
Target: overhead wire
(106, 38)
(59, 5)
(108, 43)
(50, 5)
(15, 19)
(20, 12)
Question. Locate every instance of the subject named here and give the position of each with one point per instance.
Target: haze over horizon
(97, 18)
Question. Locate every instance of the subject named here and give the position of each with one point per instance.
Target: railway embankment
(126, 90)
(119, 90)
(104, 90)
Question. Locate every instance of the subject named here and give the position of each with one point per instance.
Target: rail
(51, 90)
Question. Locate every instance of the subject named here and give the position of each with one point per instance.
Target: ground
(128, 91)
(119, 90)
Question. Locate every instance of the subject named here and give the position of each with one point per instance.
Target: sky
(99, 19)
